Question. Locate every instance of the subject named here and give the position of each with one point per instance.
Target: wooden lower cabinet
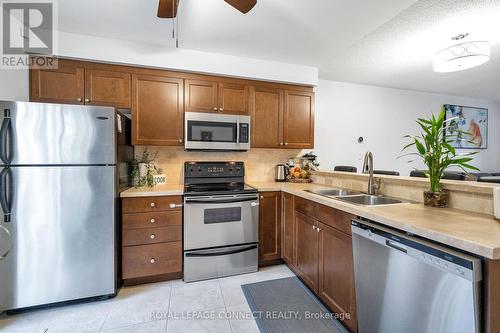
(151, 239)
(321, 253)
(307, 244)
(336, 274)
(269, 228)
(288, 229)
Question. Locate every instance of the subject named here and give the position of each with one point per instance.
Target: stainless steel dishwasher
(405, 284)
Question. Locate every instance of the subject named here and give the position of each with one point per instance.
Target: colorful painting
(470, 128)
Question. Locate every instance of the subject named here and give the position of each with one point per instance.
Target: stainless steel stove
(221, 221)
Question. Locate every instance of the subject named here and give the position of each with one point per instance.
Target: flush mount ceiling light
(462, 56)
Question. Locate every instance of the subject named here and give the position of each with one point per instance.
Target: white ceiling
(383, 42)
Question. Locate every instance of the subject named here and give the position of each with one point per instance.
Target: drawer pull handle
(152, 260)
(152, 221)
(172, 205)
(153, 236)
(318, 229)
(152, 204)
(314, 227)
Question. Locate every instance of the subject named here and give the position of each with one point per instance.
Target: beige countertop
(470, 232)
(159, 190)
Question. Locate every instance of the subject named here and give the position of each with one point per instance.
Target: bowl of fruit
(298, 175)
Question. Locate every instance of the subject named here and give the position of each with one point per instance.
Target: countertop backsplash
(259, 162)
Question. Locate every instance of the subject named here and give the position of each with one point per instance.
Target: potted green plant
(143, 170)
(433, 147)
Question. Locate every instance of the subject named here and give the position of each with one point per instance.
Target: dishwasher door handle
(396, 246)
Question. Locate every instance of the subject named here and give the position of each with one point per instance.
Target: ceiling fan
(168, 8)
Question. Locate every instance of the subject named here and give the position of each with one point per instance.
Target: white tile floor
(172, 307)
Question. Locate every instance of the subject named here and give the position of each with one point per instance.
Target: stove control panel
(213, 169)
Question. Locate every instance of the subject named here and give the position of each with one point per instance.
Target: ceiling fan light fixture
(462, 56)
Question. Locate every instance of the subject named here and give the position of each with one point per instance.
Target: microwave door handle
(238, 131)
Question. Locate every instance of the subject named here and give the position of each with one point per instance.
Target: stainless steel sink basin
(334, 192)
(370, 200)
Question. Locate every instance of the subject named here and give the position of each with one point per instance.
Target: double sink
(356, 197)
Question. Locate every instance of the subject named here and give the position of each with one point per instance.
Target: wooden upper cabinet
(266, 111)
(201, 96)
(298, 130)
(269, 227)
(62, 85)
(233, 98)
(306, 242)
(336, 274)
(157, 110)
(108, 88)
(288, 229)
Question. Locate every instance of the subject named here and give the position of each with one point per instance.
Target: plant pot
(436, 199)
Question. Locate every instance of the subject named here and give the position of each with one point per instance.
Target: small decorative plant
(434, 148)
(144, 169)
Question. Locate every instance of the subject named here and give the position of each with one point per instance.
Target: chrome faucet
(368, 168)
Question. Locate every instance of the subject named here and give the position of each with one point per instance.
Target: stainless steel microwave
(207, 131)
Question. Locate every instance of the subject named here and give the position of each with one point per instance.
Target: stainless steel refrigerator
(58, 190)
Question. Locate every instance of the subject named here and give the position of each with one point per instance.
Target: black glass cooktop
(218, 188)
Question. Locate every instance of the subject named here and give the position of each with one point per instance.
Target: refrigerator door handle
(5, 185)
(6, 138)
(9, 248)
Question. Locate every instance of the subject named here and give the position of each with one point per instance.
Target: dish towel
(496, 202)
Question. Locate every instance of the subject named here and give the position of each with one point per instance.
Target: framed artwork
(471, 120)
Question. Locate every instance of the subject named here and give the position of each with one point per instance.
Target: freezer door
(40, 134)
(62, 231)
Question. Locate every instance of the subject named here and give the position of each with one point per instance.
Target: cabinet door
(62, 85)
(108, 88)
(157, 110)
(306, 242)
(267, 117)
(269, 227)
(298, 130)
(201, 96)
(233, 98)
(288, 227)
(336, 274)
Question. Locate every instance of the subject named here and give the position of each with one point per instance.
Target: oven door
(213, 221)
(216, 132)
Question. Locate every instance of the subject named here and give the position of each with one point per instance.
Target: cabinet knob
(221, 109)
(152, 220)
(318, 229)
(78, 99)
(262, 197)
(286, 143)
(152, 204)
(281, 143)
(314, 227)
(215, 108)
(153, 236)
(180, 140)
(87, 100)
(152, 260)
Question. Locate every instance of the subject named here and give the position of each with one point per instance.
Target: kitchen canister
(496, 202)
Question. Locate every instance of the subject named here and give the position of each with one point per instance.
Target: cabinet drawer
(151, 235)
(306, 207)
(151, 204)
(150, 220)
(153, 259)
(335, 218)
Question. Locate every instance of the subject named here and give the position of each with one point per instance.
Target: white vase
(143, 169)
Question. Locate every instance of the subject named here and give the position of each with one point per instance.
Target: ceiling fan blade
(168, 8)
(243, 6)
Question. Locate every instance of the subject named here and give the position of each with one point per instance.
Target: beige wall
(259, 163)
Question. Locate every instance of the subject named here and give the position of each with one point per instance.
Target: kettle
(281, 172)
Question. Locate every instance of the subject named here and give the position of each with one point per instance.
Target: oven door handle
(219, 201)
(222, 253)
